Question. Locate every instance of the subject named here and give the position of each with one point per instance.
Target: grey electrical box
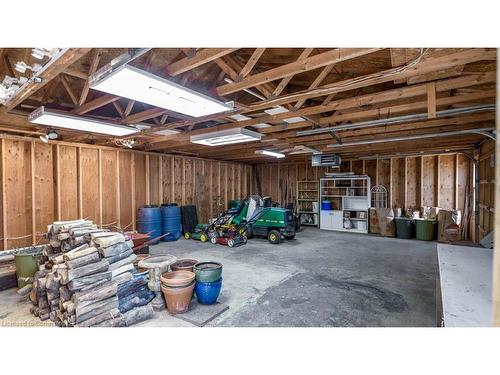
(323, 160)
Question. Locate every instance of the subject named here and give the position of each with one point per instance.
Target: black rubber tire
(274, 237)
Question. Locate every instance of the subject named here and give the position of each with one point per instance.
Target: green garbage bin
(405, 228)
(426, 229)
(26, 267)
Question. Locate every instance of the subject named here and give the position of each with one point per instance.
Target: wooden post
(437, 179)
(118, 200)
(431, 100)
(33, 203)
(496, 256)
(80, 182)
(132, 173)
(147, 180)
(421, 181)
(390, 183)
(100, 186)
(160, 180)
(4, 199)
(58, 181)
(172, 179)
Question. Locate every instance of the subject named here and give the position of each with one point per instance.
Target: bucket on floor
(326, 205)
(171, 222)
(405, 228)
(425, 229)
(149, 221)
(207, 293)
(26, 266)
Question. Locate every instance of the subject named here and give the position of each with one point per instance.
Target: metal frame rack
(307, 194)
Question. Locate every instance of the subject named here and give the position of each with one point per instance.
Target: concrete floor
(320, 279)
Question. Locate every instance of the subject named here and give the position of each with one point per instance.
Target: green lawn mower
(199, 234)
(274, 223)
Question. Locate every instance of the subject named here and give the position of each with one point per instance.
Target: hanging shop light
(279, 109)
(136, 84)
(243, 118)
(278, 155)
(57, 119)
(226, 137)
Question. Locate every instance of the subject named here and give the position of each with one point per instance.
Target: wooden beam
(310, 63)
(429, 65)
(281, 86)
(200, 58)
(251, 62)
(98, 102)
(431, 100)
(69, 90)
(93, 67)
(144, 115)
(118, 108)
(129, 107)
(76, 73)
(52, 71)
(317, 81)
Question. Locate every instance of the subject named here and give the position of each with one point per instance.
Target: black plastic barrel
(405, 228)
(149, 221)
(171, 222)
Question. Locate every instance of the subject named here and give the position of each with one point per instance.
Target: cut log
(64, 293)
(83, 260)
(122, 269)
(116, 249)
(89, 269)
(129, 260)
(115, 322)
(99, 293)
(82, 282)
(107, 315)
(120, 256)
(103, 233)
(131, 286)
(123, 278)
(69, 307)
(96, 308)
(79, 252)
(138, 314)
(109, 241)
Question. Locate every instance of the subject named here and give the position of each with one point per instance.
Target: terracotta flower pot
(178, 299)
(183, 265)
(177, 278)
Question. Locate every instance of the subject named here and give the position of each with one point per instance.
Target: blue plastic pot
(207, 293)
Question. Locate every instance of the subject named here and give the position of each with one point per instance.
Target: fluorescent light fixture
(279, 109)
(56, 119)
(243, 118)
(166, 132)
(226, 137)
(136, 84)
(278, 155)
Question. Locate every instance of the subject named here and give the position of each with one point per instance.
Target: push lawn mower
(200, 233)
(228, 235)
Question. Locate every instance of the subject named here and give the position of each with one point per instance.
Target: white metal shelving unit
(350, 197)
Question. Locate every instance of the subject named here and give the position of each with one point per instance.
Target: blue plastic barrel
(171, 222)
(149, 221)
(326, 205)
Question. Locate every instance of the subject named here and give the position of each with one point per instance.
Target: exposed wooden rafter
(200, 58)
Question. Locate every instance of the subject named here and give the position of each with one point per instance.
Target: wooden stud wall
(411, 182)
(63, 181)
(486, 176)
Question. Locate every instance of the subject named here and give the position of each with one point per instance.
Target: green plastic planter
(208, 272)
(425, 229)
(26, 267)
(405, 227)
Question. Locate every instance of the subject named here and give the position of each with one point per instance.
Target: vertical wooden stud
(147, 180)
(4, 198)
(118, 198)
(421, 181)
(79, 181)
(100, 187)
(160, 180)
(438, 178)
(431, 100)
(33, 204)
(58, 181)
(132, 184)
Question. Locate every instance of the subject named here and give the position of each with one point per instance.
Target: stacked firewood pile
(88, 278)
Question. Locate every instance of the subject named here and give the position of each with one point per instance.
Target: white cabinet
(331, 220)
(349, 197)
